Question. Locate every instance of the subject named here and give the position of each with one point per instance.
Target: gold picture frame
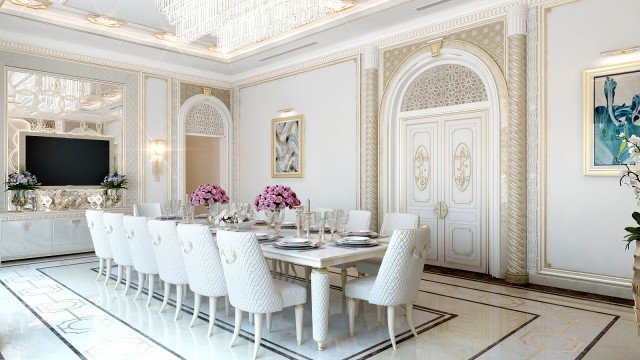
(287, 147)
(605, 149)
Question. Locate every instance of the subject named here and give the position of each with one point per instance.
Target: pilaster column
(371, 62)
(517, 158)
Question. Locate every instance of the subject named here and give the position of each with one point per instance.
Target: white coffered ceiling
(65, 21)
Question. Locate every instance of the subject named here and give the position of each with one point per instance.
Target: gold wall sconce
(157, 152)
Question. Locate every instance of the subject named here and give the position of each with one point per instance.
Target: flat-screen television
(66, 160)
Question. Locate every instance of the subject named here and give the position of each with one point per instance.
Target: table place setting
(297, 244)
(356, 241)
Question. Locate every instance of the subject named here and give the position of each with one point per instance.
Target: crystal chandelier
(237, 23)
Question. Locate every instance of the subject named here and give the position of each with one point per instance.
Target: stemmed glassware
(166, 209)
(275, 218)
(318, 222)
(343, 221)
(175, 208)
(332, 221)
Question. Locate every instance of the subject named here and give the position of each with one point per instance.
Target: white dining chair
(398, 281)
(251, 288)
(100, 242)
(204, 271)
(114, 225)
(152, 210)
(167, 249)
(359, 220)
(391, 222)
(144, 261)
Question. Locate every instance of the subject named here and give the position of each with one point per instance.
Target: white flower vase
(212, 212)
(19, 200)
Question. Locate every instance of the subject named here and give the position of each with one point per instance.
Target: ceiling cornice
(429, 26)
(64, 55)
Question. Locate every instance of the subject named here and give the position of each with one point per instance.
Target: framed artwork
(287, 147)
(611, 107)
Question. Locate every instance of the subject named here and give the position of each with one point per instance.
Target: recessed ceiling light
(168, 36)
(105, 20)
(339, 5)
(33, 4)
(621, 51)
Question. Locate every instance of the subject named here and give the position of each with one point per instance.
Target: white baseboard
(593, 285)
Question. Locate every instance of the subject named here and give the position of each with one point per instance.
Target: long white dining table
(319, 260)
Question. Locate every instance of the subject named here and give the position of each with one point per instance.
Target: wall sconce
(285, 112)
(157, 152)
(621, 51)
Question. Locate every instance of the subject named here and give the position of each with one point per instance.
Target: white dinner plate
(367, 233)
(356, 239)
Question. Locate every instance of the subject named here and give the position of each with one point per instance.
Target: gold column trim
(371, 145)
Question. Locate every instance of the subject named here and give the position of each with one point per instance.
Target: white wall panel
(327, 97)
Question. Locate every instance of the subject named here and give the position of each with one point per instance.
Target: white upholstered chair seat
(359, 288)
(391, 222)
(147, 210)
(144, 261)
(114, 225)
(292, 294)
(251, 287)
(397, 282)
(100, 241)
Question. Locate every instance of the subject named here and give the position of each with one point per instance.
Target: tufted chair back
(202, 260)
(359, 220)
(98, 234)
(114, 225)
(152, 210)
(166, 247)
(137, 232)
(249, 282)
(398, 280)
(394, 221)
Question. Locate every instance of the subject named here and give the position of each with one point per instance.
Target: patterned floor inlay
(56, 309)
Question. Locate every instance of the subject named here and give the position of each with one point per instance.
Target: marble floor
(54, 309)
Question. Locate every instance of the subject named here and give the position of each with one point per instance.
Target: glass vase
(114, 196)
(276, 217)
(19, 200)
(212, 212)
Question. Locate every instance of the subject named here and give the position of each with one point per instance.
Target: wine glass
(332, 221)
(343, 220)
(166, 209)
(175, 207)
(318, 221)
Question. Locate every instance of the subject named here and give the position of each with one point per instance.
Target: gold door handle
(441, 210)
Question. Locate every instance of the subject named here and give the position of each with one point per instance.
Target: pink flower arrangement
(207, 194)
(276, 197)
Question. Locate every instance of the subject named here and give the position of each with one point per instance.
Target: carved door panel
(443, 166)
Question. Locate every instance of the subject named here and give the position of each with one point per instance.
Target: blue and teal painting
(617, 110)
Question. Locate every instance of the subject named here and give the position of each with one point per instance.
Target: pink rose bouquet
(276, 197)
(208, 194)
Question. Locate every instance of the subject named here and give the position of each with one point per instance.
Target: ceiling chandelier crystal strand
(236, 23)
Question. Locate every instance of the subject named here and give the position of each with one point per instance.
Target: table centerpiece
(238, 219)
(273, 200)
(211, 196)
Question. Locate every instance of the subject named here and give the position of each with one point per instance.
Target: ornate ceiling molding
(64, 55)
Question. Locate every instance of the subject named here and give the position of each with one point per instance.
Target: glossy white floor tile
(56, 309)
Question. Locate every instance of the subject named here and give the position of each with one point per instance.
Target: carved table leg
(320, 305)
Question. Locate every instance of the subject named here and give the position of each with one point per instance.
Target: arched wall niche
(205, 115)
(458, 54)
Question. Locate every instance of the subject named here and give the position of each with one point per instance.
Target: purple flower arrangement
(207, 194)
(276, 197)
(23, 180)
(114, 181)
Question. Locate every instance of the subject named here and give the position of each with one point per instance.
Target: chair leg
(286, 271)
(100, 268)
(299, 316)
(351, 309)
(119, 279)
(140, 285)
(307, 277)
(213, 305)
(151, 283)
(258, 334)
(379, 311)
(227, 306)
(167, 291)
(250, 318)
(127, 284)
(361, 274)
(185, 291)
(236, 329)
(390, 320)
(343, 277)
(293, 268)
(274, 265)
(196, 309)
(409, 314)
(269, 316)
(107, 274)
(179, 297)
